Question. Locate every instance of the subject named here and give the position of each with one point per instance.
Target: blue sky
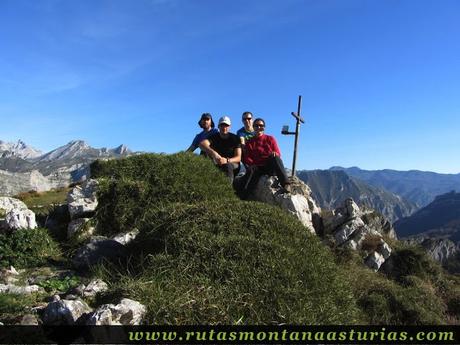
(380, 80)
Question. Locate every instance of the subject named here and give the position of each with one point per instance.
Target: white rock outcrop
(64, 312)
(298, 203)
(82, 199)
(92, 289)
(15, 215)
(125, 238)
(20, 219)
(358, 229)
(19, 290)
(127, 312)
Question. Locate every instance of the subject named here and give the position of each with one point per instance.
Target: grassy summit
(204, 256)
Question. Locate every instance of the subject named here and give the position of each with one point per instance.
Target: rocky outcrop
(64, 312)
(127, 312)
(19, 290)
(359, 229)
(298, 203)
(90, 290)
(440, 249)
(15, 215)
(82, 199)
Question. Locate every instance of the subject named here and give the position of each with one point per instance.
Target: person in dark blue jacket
(207, 124)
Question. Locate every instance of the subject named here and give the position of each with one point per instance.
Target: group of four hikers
(258, 151)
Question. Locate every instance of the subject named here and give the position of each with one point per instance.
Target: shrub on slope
(27, 248)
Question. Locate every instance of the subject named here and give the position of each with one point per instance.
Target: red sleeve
(248, 155)
(274, 146)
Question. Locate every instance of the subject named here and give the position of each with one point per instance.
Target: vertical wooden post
(297, 128)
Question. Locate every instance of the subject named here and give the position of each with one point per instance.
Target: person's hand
(216, 158)
(222, 161)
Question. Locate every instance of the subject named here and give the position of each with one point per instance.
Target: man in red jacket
(262, 156)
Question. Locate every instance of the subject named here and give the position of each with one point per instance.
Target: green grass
(130, 186)
(40, 202)
(12, 306)
(204, 256)
(251, 263)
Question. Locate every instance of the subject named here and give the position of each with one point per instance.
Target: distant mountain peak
(122, 150)
(18, 149)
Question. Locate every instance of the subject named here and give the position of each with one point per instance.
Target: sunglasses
(247, 118)
(259, 125)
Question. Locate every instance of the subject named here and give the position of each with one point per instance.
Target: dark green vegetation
(27, 248)
(59, 285)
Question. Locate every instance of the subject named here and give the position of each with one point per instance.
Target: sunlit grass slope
(204, 256)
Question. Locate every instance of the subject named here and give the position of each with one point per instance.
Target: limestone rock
(385, 250)
(7, 204)
(125, 238)
(98, 249)
(358, 229)
(19, 290)
(64, 312)
(127, 312)
(82, 199)
(298, 202)
(374, 261)
(93, 288)
(15, 215)
(343, 233)
(80, 228)
(20, 219)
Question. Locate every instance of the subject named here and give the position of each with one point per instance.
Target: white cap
(226, 120)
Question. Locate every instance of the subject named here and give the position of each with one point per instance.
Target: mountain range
(419, 187)
(331, 187)
(440, 218)
(24, 168)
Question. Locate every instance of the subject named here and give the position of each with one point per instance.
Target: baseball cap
(226, 120)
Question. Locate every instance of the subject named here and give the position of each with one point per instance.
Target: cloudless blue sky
(380, 80)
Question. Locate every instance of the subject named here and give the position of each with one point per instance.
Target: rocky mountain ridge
(419, 187)
(436, 227)
(18, 150)
(331, 188)
(23, 168)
